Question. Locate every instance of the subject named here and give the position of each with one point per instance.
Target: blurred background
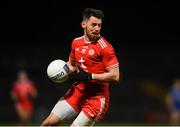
(144, 34)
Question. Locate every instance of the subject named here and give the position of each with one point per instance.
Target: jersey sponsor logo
(83, 51)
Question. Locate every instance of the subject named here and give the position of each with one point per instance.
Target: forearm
(83, 76)
(105, 77)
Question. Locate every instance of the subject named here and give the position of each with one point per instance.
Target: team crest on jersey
(91, 52)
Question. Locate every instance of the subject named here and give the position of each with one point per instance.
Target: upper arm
(111, 62)
(32, 89)
(115, 72)
(111, 65)
(109, 58)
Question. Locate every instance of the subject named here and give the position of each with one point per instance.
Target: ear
(83, 24)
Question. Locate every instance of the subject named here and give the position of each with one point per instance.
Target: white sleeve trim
(112, 66)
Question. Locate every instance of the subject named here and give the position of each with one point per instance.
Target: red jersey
(94, 58)
(23, 90)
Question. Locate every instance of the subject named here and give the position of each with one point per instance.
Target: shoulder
(104, 44)
(105, 47)
(77, 40)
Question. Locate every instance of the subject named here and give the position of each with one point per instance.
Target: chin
(95, 37)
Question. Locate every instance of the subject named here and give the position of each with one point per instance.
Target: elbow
(116, 78)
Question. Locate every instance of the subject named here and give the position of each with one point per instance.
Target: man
(173, 102)
(92, 64)
(22, 93)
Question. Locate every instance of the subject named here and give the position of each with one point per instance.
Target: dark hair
(88, 12)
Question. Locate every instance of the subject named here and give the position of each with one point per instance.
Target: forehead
(93, 19)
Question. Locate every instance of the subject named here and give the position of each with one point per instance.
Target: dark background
(144, 34)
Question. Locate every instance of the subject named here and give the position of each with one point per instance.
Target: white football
(57, 71)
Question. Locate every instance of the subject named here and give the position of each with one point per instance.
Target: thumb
(80, 69)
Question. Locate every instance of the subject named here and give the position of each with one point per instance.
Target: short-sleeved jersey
(23, 91)
(94, 58)
(175, 95)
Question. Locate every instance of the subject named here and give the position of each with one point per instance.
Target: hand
(81, 76)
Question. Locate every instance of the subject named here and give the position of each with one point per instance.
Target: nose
(97, 28)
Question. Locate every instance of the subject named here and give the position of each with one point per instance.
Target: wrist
(92, 76)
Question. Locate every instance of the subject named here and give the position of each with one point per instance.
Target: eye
(93, 24)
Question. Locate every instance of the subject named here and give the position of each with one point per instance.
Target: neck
(86, 39)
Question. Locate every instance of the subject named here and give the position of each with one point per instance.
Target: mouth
(95, 33)
(95, 36)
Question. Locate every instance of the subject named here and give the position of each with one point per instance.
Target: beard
(93, 37)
